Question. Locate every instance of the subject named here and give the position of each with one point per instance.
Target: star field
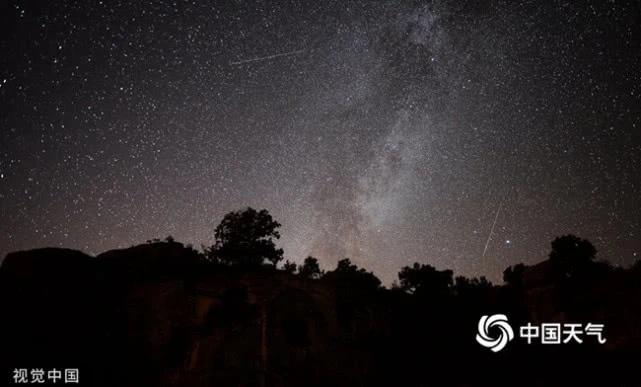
(385, 132)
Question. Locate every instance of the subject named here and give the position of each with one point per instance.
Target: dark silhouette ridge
(164, 314)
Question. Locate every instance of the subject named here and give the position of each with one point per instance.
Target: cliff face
(155, 315)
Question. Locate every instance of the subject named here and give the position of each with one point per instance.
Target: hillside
(157, 315)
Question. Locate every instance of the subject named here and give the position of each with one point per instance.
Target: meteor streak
(489, 237)
(266, 57)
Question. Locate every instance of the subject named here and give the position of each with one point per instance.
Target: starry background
(387, 132)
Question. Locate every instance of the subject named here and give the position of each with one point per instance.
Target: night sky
(387, 132)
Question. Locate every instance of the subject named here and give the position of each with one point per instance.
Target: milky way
(384, 132)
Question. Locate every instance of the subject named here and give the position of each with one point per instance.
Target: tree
(464, 284)
(571, 255)
(246, 238)
(310, 268)
(289, 267)
(471, 288)
(425, 280)
(513, 275)
(353, 276)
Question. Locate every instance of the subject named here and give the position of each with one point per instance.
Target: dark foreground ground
(156, 315)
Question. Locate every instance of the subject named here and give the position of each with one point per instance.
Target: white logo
(494, 344)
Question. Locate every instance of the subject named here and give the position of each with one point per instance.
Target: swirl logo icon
(498, 343)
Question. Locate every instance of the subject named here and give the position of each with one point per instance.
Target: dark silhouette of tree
(246, 238)
(464, 285)
(352, 275)
(513, 275)
(310, 268)
(571, 255)
(470, 297)
(289, 267)
(209, 252)
(425, 280)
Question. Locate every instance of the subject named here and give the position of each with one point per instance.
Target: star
(386, 132)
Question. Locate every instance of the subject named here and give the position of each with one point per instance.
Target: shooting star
(489, 237)
(266, 57)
